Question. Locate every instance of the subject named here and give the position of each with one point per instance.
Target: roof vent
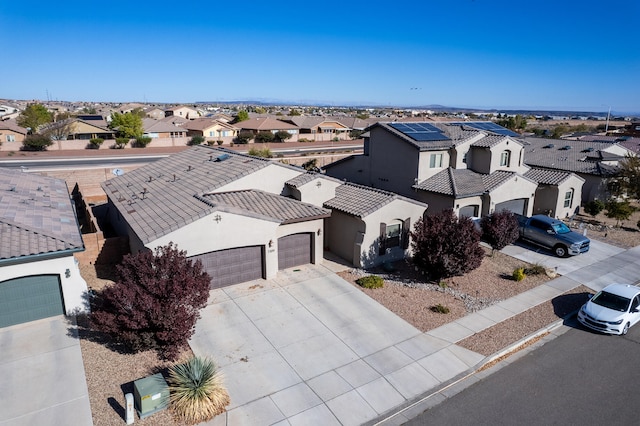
(565, 148)
(549, 146)
(590, 149)
(222, 157)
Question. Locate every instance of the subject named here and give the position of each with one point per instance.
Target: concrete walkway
(42, 380)
(309, 348)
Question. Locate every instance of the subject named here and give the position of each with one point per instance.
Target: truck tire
(561, 251)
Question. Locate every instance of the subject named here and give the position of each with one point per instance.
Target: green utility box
(151, 394)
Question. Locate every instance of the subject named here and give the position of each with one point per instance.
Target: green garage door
(30, 298)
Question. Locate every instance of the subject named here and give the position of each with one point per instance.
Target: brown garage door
(233, 266)
(294, 250)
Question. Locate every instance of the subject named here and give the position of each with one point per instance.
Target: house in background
(182, 111)
(160, 129)
(155, 113)
(595, 161)
(78, 129)
(39, 234)
(246, 217)
(211, 129)
(265, 124)
(10, 132)
(474, 168)
(319, 128)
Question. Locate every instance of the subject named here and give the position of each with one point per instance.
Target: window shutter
(382, 247)
(406, 229)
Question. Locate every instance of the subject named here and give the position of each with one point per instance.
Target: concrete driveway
(42, 380)
(309, 348)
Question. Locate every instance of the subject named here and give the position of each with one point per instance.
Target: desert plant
(594, 207)
(445, 246)
(619, 210)
(196, 140)
(197, 393)
(440, 309)
(370, 281)
(36, 142)
(282, 135)
(264, 137)
(243, 137)
(95, 143)
(219, 142)
(121, 142)
(142, 142)
(500, 229)
(518, 274)
(535, 269)
(154, 302)
(264, 152)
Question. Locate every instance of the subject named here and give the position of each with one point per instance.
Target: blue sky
(551, 54)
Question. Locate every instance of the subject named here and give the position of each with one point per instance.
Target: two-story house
(474, 168)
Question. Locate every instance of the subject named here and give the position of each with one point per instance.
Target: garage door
(294, 250)
(515, 206)
(233, 266)
(30, 298)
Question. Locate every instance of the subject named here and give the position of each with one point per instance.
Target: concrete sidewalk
(309, 348)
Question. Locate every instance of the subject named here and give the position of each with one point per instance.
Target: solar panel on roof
(489, 126)
(421, 132)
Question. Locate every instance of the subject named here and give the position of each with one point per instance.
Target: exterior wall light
(67, 273)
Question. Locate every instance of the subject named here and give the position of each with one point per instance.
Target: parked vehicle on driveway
(553, 234)
(613, 310)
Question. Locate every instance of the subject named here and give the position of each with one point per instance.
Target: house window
(211, 133)
(11, 138)
(394, 230)
(568, 198)
(435, 161)
(505, 158)
(464, 157)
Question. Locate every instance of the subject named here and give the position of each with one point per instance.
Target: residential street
(578, 378)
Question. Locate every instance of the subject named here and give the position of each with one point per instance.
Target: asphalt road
(578, 378)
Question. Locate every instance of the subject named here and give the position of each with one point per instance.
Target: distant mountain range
(440, 108)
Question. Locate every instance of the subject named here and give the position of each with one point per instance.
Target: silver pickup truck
(552, 234)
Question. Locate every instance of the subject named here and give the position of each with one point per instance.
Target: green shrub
(264, 152)
(197, 393)
(36, 142)
(95, 143)
(243, 137)
(594, 207)
(518, 274)
(121, 142)
(370, 281)
(219, 142)
(142, 142)
(440, 309)
(196, 140)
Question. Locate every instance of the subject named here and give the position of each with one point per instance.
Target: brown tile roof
(264, 124)
(36, 216)
(13, 126)
(462, 183)
(151, 125)
(284, 210)
(360, 201)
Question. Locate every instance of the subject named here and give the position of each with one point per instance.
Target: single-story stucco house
(39, 234)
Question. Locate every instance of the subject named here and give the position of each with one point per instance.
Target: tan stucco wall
(315, 194)
(424, 171)
(356, 169)
(269, 179)
(516, 188)
(394, 163)
(343, 232)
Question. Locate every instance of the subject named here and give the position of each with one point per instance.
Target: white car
(612, 310)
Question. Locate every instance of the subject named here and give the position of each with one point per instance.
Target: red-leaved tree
(445, 246)
(500, 229)
(155, 301)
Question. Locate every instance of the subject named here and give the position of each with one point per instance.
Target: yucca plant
(197, 393)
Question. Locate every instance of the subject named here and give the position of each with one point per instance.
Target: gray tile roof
(548, 177)
(36, 216)
(305, 178)
(360, 201)
(162, 197)
(282, 209)
(151, 125)
(583, 156)
(456, 134)
(462, 183)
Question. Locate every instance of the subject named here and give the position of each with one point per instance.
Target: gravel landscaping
(110, 374)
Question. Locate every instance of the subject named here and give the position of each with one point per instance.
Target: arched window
(505, 158)
(568, 198)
